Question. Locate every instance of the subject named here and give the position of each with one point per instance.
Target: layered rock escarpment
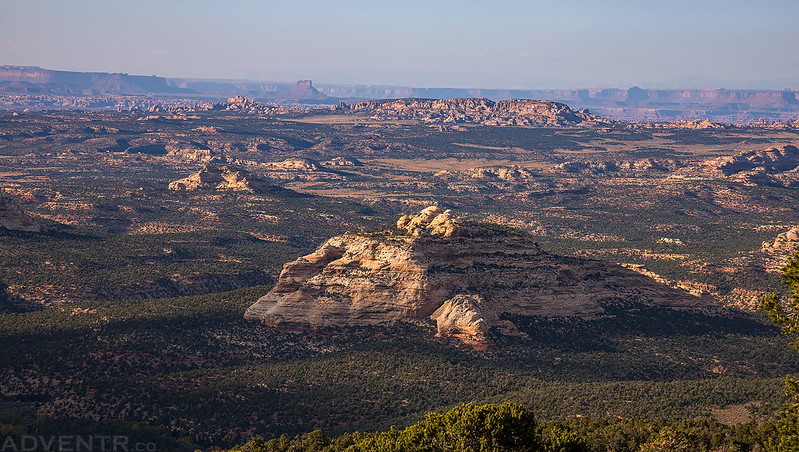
(523, 112)
(468, 278)
(13, 217)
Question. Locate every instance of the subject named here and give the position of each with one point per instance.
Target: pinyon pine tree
(787, 316)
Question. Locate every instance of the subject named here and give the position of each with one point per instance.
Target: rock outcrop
(771, 160)
(222, 177)
(633, 104)
(787, 241)
(343, 162)
(511, 174)
(242, 104)
(13, 217)
(466, 277)
(295, 165)
(694, 124)
(779, 251)
(521, 112)
(772, 166)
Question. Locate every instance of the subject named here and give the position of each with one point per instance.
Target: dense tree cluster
(511, 427)
(787, 316)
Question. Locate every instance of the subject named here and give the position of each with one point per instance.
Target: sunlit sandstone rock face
(463, 276)
(779, 251)
(221, 177)
(773, 166)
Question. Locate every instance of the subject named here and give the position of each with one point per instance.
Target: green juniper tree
(787, 316)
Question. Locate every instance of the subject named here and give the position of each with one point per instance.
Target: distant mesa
(304, 91)
(470, 279)
(224, 177)
(656, 106)
(36, 79)
(13, 218)
(514, 112)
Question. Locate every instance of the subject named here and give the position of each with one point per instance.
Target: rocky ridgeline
(693, 124)
(221, 177)
(512, 173)
(243, 105)
(12, 216)
(772, 166)
(519, 112)
(305, 169)
(508, 176)
(465, 277)
(295, 165)
(772, 160)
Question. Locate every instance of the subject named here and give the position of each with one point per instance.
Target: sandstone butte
(226, 177)
(465, 277)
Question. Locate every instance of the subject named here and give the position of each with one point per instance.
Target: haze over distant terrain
(733, 44)
(29, 87)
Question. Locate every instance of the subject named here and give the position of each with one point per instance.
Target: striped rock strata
(465, 277)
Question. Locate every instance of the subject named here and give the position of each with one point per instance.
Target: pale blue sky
(496, 44)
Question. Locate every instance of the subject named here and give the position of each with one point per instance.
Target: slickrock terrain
(244, 105)
(773, 166)
(772, 160)
(781, 249)
(520, 112)
(303, 169)
(343, 162)
(511, 173)
(295, 165)
(694, 124)
(466, 277)
(222, 177)
(12, 217)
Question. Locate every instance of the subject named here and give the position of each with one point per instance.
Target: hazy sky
(487, 44)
